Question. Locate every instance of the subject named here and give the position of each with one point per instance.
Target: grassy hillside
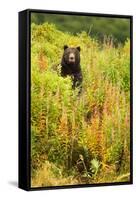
(98, 27)
(79, 139)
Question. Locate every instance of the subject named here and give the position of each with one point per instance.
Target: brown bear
(70, 65)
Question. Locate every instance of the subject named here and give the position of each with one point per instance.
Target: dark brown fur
(72, 68)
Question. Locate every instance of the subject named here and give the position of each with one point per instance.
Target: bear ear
(78, 48)
(65, 47)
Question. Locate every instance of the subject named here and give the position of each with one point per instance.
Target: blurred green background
(98, 27)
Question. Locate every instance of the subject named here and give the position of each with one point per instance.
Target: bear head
(71, 56)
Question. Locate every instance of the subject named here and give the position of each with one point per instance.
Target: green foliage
(80, 138)
(95, 165)
(98, 27)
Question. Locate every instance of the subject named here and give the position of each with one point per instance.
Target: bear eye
(66, 53)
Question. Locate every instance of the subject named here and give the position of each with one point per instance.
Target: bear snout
(71, 58)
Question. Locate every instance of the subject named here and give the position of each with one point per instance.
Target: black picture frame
(24, 178)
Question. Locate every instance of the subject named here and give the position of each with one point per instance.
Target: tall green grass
(79, 139)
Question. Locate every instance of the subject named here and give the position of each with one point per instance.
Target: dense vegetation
(78, 139)
(98, 27)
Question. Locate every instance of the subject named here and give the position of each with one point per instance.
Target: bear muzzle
(71, 58)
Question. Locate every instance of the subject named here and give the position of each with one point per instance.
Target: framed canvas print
(75, 99)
